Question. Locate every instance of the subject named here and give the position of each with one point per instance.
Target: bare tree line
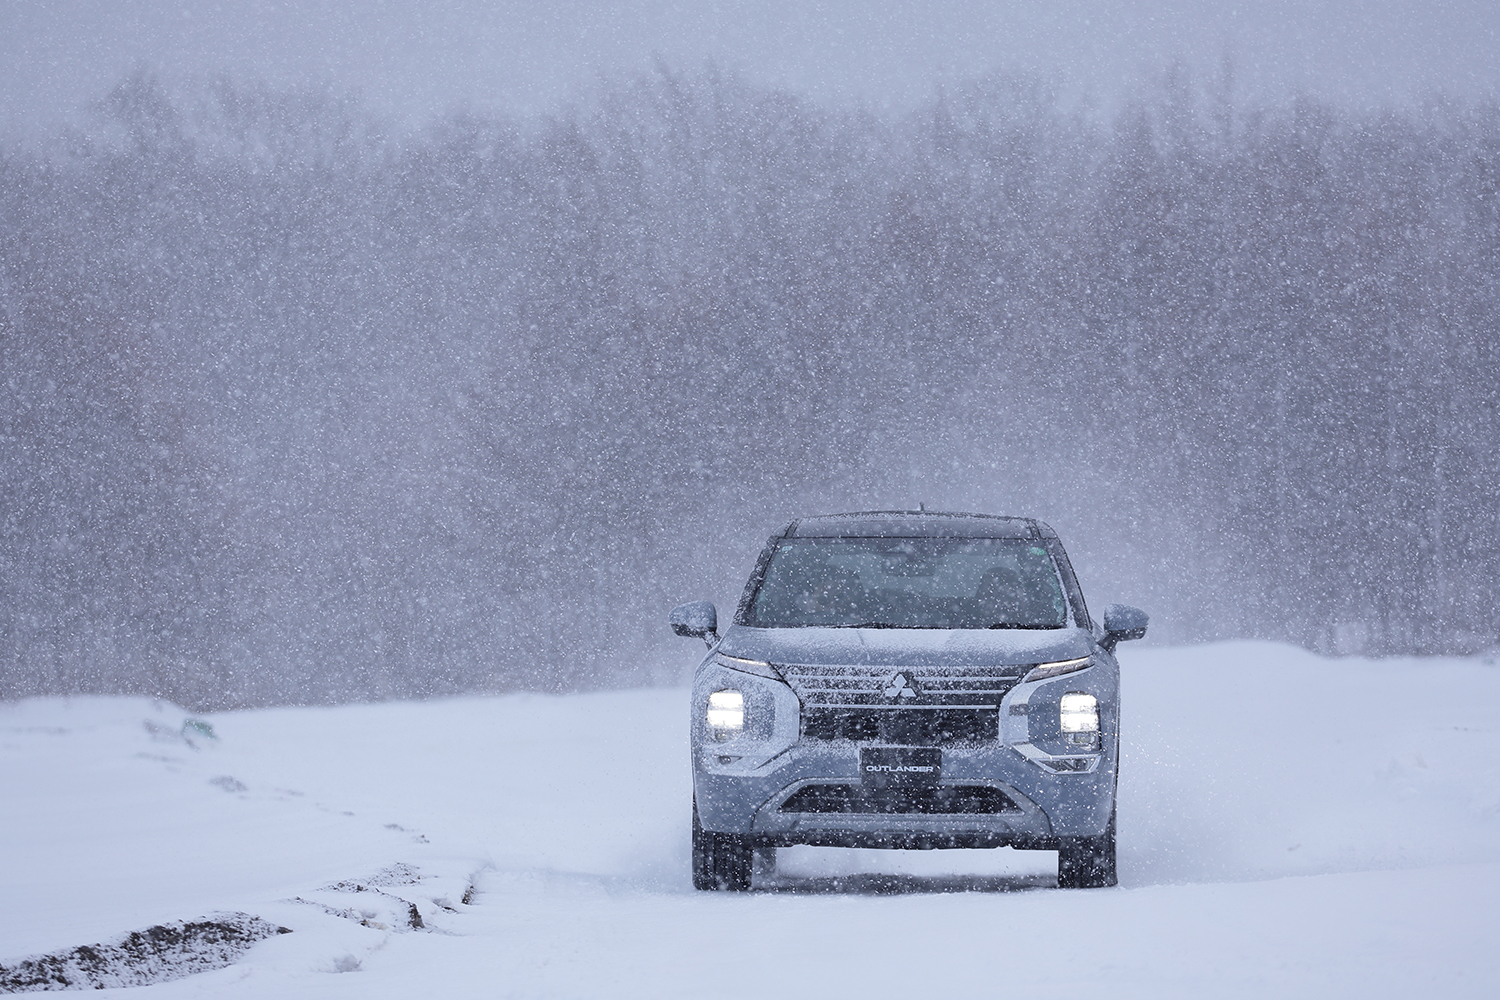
(297, 408)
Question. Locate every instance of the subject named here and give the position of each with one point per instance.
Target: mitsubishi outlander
(907, 680)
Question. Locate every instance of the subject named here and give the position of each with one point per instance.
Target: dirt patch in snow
(154, 955)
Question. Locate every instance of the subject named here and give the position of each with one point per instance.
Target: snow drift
(1289, 824)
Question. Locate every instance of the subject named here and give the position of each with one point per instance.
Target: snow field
(1289, 825)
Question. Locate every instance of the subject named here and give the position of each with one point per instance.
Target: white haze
(414, 59)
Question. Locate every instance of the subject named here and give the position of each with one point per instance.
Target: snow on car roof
(918, 524)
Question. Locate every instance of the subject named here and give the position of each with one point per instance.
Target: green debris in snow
(197, 727)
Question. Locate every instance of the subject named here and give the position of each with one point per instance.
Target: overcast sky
(413, 57)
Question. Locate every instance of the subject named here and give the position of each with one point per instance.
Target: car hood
(914, 647)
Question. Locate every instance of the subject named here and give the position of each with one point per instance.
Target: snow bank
(1288, 824)
(1247, 760)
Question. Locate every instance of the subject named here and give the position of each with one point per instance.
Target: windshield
(909, 583)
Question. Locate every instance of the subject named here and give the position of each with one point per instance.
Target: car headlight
(725, 714)
(1057, 668)
(1078, 717)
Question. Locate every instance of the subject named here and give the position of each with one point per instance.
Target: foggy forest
(303, 407)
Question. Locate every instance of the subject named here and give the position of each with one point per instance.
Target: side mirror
(696, 620)
(1122, 622)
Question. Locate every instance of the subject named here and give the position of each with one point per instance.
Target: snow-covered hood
(914, 647)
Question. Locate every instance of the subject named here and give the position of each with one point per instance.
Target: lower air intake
(915, 727)
(942, 800)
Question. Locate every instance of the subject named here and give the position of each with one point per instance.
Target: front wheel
(720, 860)
(1087, 862)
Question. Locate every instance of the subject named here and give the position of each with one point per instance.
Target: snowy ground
(1289, 826)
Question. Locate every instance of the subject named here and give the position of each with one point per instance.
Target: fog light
(1079, 713)
(726, 714)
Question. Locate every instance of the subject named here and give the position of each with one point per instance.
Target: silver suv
(907, 680)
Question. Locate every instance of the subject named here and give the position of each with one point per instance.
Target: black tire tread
(721, 861)
(1088, 862)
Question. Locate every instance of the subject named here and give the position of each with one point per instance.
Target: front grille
(903, 705)
(941, 800)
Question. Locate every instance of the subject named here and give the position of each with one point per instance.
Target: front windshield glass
(909, 583)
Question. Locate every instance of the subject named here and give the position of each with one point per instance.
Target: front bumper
(1036, 805)
(1034, 785)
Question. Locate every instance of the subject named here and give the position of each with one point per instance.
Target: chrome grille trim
(952, 705)
(864, 685)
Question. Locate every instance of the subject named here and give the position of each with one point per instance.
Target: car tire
(1087, 862)
(720, 860)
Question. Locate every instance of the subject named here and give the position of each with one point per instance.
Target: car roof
(916, 524)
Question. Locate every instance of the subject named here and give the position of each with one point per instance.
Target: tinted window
(909, 583)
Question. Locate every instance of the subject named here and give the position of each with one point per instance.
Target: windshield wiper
(937, 625)
(1023, 625)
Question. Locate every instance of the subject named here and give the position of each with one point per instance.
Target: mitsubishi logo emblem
(901, 685)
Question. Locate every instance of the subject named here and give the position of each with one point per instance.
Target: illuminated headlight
(1057, 668)
(726, 714)
(1078, 716)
